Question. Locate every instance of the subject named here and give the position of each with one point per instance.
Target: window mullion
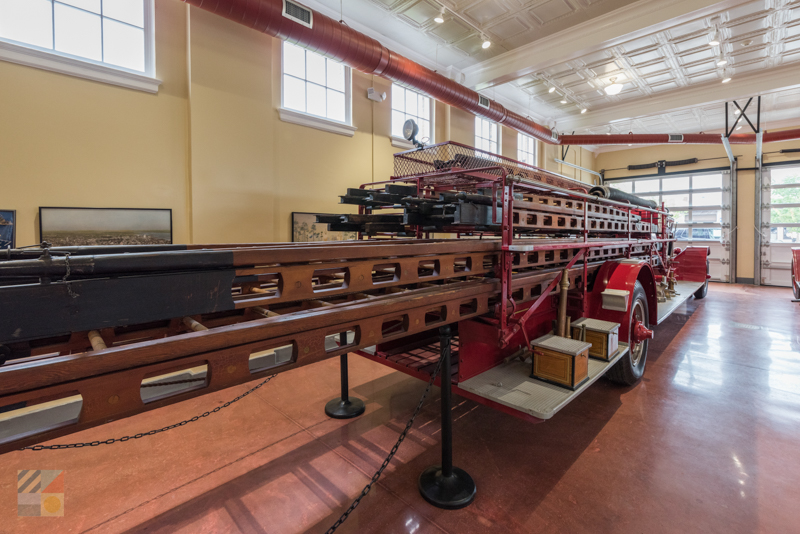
(53, 18)
(102, 37)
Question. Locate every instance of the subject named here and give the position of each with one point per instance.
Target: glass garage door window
(696, 201)
(783, 205)
(701, 206)
(780, 221)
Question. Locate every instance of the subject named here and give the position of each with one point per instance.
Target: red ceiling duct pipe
(783, 135)
(655, 139)
(314, 31)
(688, 139)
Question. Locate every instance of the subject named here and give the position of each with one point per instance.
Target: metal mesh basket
(461, 165)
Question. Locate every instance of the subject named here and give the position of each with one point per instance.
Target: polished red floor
(709, 441)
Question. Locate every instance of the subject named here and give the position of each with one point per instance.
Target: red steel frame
(502, 336)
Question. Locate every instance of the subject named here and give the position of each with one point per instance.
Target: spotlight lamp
(613, 89)
(563, 100)
(552, 89)
(486, 42)
(584, 110)
(439, 19)
(722, 62)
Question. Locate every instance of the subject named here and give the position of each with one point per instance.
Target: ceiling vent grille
(676, 138)
(483, 102)
(298, 13)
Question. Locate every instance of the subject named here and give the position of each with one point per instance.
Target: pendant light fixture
(613, 89)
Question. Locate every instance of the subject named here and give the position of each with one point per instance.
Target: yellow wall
(576, 155)
(714, 156)
(67, 141)
(210, 145)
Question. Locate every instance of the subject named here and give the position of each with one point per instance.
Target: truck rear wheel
(630, 368)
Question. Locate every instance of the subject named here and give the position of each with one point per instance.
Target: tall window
(486, 137)
(407, 104)
(526, 149)
(315, 85)
(111, 32)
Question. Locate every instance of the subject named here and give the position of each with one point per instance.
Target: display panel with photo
(305, 228)
(105, 226)
(8, 229)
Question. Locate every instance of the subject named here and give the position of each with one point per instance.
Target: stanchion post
(445, 486)
(344, 407)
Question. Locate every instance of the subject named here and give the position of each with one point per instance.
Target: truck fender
(691, 263)
(623, 275)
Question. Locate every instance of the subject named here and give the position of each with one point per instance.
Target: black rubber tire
(625, 372)
(703, 291)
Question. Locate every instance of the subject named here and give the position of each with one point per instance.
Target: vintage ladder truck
(519, 285)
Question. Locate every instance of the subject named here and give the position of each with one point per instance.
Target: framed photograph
(63, 227)
(306, 228)
(8, 229)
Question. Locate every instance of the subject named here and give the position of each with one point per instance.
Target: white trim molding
(319, 123)
(401, 143)
(63, 64)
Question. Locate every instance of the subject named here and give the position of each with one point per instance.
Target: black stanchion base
(450, 493)
(339, 409)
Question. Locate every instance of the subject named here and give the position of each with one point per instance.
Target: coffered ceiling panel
(670, 57)
(550, 10)
(754, 37)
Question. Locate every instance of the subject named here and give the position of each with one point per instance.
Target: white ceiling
(671, 81)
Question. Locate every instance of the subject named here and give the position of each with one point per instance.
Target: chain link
(150, 433)
(66, 277)
(388, 459)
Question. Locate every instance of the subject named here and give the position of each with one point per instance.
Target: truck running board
(511, 385)
(685, 290)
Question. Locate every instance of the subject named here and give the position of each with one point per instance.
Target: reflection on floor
(707, 442)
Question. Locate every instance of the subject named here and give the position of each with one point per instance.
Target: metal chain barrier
(66, 277)
(388, 459)
(150, 433)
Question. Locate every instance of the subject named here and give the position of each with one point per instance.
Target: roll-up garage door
(701, 204)
(780, 223)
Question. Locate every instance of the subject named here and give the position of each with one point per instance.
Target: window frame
(303, 118)
(534, 155)
(55, 61)
(400, 142)
(499, 141)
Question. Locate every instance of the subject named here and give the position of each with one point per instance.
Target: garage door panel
(701, 205)
(780, 215)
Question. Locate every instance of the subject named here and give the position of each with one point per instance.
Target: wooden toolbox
(603, 335)
(561, 361)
